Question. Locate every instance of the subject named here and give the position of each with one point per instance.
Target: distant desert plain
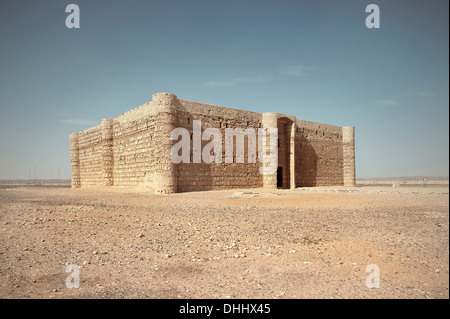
(322, 242)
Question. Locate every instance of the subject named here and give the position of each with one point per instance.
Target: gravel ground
(257, 243)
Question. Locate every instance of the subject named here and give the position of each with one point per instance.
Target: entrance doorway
(280, 177)
(284, 126)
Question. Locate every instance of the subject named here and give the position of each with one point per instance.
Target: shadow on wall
(284, 126)
(202, 176)
(306, 162)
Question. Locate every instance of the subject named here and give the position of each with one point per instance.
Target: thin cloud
(65, 114)
(385, 102)
(295, 70)
(237, 80)
(425, 94)
(82, 122)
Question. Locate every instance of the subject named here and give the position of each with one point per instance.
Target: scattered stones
(255, 249)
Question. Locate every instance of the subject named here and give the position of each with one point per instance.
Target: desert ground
(252, 243)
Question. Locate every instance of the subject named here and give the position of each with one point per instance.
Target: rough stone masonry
(133, 149)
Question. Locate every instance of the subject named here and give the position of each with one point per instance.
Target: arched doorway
(284, 177)
(285, 149)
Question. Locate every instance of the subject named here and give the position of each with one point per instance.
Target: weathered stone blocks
(133, 149)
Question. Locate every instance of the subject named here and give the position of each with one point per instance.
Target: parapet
(73, 138)
(164, 99)
(348, 134)
(107, 127)
(270, 119)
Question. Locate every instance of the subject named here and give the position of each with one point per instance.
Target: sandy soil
(303, 243)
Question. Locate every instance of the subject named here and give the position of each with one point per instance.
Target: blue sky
(312, 59)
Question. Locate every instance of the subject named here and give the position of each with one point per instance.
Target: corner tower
(348, 141)
(165, 105)
(75, 160)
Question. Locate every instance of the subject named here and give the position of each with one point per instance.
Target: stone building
(133, 149)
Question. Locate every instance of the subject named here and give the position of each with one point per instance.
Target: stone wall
(90, 157)
(319, 154)
(201, 176)
(133, 149)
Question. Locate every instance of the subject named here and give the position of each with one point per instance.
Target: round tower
(165, 174)
(75, 160)
(348, 141)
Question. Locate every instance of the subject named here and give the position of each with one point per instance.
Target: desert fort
(133, 149)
